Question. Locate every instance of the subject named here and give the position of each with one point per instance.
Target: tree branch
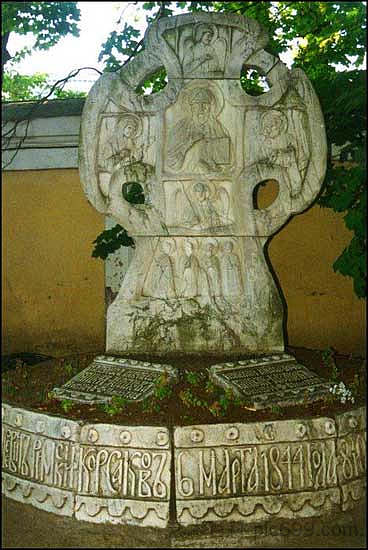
(11, 133)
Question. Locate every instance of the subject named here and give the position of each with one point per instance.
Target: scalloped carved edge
(352, 492)
(100, 510)
(41, 496)
(156, 514)
(281, 505)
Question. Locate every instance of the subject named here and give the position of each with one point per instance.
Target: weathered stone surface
(107, 377)
(255, 471)
(197, 151)
(39, 459)
(107, 473)
(351, 447)
(126, 475)
(101, 473)
(276, 379)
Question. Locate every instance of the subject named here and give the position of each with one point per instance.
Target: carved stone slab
(276, 379)
(100, 473)
(40, 459)
(125, 475)
(351, 447)
(108, 473)
(252, 472)
(112, 376)
(198, 150)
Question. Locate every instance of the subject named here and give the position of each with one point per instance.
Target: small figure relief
(244, 44)
(231, 271)
(120, 143)
(204, 52)
(278, 149)
(211, 267)
(189, 270)
(299, 127)
(160, 282)
(199, 206)
(199, 143)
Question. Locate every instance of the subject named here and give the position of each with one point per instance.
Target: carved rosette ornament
(196, 151)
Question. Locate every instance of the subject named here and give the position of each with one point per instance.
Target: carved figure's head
(188, 248)
(128, 126)
(167, 247)
(204, 33)
(228, 246)
(201, 102)
(273, 123)
(201, 190)
(210, 249)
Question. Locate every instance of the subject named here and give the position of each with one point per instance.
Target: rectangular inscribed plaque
(107, 377)
(270, 380)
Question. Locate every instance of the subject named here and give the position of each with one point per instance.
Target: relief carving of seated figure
(199, 142)
(123, 146)
(201, 54)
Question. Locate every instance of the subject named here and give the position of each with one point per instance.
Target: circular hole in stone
(133, 192)
(153, 83)
(253, 81)
(264, 194)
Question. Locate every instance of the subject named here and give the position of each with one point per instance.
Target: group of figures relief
(189, 268)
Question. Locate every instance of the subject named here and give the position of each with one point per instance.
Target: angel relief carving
(204, 51)
(199, 205)
(198, 142)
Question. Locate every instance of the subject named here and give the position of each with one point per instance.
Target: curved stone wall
(107, 473)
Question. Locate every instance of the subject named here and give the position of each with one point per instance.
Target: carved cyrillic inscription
(352, 456)
(129, 473)
(89, 470)
(255, 469)
(270, 378)
(105, 378)
(40, 459)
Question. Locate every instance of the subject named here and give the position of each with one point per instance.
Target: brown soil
(28, 386)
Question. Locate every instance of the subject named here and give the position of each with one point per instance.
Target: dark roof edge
(24, 110)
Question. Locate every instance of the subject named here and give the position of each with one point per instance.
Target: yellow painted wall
(53, 298)
(53, 290)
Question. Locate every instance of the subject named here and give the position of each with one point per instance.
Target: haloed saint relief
(198, 142)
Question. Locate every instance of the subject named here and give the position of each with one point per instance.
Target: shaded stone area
(108, 376)
(276, 379)
(24, 526)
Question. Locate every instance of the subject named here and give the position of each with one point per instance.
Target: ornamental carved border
(107, 473)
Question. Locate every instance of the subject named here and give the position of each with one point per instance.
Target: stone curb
(108, 473)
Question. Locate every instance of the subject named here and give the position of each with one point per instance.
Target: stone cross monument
(196, 151)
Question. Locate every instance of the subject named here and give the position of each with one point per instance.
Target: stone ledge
(248, 473)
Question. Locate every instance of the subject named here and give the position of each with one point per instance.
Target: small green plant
(194, 378)
(163, 389)
(210, 387)
(66, 405)
(191, 400)
(328, 358)
(276, 409)
(69, 369)
(115, 406)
